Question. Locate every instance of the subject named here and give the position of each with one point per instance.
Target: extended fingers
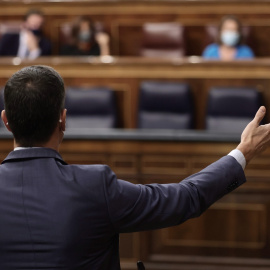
(259, 115)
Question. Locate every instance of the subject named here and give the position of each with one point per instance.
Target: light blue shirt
(242, 52)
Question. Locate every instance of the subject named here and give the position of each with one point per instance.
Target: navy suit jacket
(9, 45)
(60, 216)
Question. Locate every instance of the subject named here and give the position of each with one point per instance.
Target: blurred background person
(229, 44)
(29, 42)
(86, 40)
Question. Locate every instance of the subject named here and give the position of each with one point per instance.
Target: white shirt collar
(23, 148)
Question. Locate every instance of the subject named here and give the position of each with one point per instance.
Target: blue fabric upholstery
(90, 108)
(165, 105)
(230, 109)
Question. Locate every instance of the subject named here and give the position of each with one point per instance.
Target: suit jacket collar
(33, 153)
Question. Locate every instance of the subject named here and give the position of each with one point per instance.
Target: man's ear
(63, 120)
(5, 121)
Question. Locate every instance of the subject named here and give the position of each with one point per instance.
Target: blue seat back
(230, 109)
(91, 108)
(165, 105)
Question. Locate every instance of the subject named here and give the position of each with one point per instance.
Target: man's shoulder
(45, 45)
(9, 39)
(90, 178)
(94, 168)
(10, 36)
(88, 174)
(45, 40)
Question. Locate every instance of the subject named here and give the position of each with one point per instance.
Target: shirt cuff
(238, 155)
(34, 54)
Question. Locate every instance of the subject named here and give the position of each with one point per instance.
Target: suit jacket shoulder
(9, 44)
(45, 46)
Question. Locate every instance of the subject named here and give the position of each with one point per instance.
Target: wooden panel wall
(124, 75)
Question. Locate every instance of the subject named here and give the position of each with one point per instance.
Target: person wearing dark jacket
(85, 40)
(60, 216)
(29, 43)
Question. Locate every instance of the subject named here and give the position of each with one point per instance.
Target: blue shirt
(242, 51)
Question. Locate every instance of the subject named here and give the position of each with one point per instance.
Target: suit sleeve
(145, 207)
(45, 47)
(3, 45)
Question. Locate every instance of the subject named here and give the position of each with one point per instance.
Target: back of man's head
(34, 99)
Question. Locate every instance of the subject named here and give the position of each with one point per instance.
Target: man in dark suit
(29, 42)
(60, 216)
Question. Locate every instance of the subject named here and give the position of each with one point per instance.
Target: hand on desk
(255, 137)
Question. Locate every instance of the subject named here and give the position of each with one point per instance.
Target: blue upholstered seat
(165, 105)
(230, 109)
(90, 108)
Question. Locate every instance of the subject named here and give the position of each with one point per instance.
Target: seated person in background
(229, 44)
(85, 39)
(29, 42)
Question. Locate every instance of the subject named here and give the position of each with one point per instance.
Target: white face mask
(85, 36)
(230, 38)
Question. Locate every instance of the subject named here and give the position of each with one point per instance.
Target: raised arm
(144, 207)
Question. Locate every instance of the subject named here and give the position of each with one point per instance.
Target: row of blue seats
(163, 105)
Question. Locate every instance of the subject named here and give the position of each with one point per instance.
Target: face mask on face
(230, 38)
(85, 36)
(36, 32)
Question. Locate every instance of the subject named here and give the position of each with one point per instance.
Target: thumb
(259, 115)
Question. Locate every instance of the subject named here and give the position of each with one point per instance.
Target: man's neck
(46, 145)
(53, 143)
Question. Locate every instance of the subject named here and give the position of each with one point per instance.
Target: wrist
(246, 151)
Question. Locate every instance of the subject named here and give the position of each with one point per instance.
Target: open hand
(255, 137)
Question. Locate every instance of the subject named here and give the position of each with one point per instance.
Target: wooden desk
(124, 75)
(233, 233)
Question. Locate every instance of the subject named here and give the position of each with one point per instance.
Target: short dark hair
(33, 12)
(34, 99)
(239, 28)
